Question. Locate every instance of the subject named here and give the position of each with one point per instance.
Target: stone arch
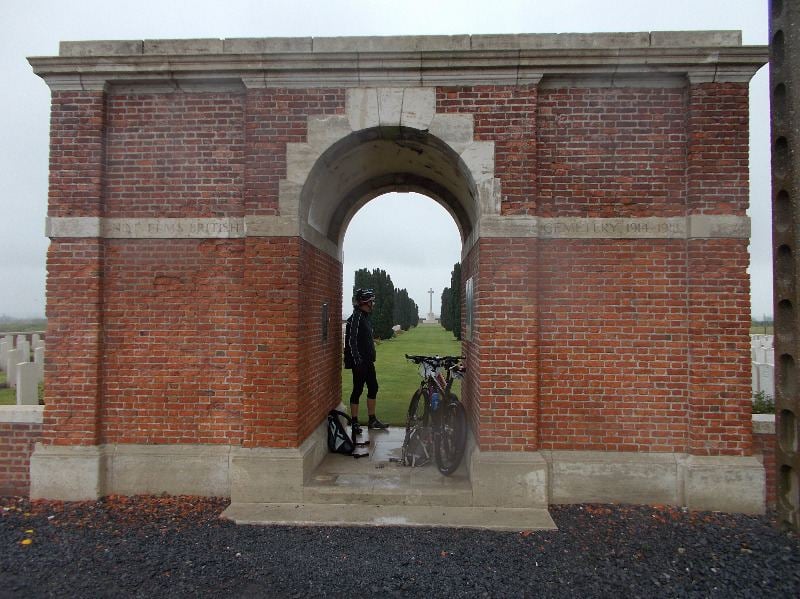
(390, 139)
(371, 162)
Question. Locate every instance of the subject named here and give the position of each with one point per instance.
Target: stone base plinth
(720, 483)
(75, 473)
(528, 480)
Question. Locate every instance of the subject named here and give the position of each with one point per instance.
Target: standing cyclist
(361, 346)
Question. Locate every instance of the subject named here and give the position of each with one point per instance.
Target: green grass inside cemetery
(397, 377)
(8, 396)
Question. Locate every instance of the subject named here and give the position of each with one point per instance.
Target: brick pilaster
(506, 338)
(718, 288)
(74, 284)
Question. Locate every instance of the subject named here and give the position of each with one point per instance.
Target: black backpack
(339, 440)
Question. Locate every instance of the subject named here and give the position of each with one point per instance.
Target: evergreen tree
(455, 300)
(392, 306)
(451, 303)
(445, 311)
(406, 313)
(383, 313)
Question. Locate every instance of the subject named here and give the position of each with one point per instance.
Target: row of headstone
(762, 354)
(23, 374)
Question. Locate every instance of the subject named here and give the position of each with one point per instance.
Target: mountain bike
(436, 423)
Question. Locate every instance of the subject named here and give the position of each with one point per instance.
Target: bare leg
(370, 406)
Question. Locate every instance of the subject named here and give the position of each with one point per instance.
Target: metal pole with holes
(784, 85)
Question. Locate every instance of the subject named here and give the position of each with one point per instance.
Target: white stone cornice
(77, 82)
(403, 61)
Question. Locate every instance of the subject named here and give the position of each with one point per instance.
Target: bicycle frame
(436, 429)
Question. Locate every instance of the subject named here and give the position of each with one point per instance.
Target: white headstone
(14, 357)
(754, 378)
(759, 357)
(38, 360)
(25, 347)
(766, 375)
(3, 354)
(27, 386)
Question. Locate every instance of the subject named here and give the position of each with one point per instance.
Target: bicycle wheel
(417, 409)
(415, 451)
(452, 436)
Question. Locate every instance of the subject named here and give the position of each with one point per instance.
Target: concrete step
(401, 489)
(378, 491)
(331, 514)
(378, 479)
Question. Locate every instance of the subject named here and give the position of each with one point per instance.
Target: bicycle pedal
(362, 443)
(360, 455)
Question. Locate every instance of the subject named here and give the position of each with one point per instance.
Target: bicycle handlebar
(436, 361)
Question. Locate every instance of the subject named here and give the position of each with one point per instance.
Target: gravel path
(178, 547)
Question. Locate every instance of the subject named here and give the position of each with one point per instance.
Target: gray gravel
(178, 547)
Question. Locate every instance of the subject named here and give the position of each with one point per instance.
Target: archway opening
(411, 237)
(416, 242)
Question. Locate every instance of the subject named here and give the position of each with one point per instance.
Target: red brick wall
(508, 349)
(614, 355)
(609, 152)
(77, 153)
(719, 323)
(719, 300)
(175, 155)
(74, 288)
(630, 345)
(175, 341)
(74, 341)
(275, 117)
(616, 323)
(718, 150)
(320, 360)
(16, 446)
(505, 115)
(272, 348)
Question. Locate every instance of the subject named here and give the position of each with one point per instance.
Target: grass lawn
(397, 377)
(8, 397)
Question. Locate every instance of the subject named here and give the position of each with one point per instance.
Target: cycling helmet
(362, 296)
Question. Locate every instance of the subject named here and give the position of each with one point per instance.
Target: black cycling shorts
(364, 375)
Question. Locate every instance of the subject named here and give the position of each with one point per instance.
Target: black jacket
(358, 337)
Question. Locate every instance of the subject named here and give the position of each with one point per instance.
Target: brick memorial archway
(199, 194)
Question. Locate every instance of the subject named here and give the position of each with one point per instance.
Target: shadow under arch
(374, 161)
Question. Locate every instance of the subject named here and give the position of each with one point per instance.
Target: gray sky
(381, 230)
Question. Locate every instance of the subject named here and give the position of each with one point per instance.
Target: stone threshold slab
(312, 514)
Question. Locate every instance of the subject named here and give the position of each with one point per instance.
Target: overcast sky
(387, 230)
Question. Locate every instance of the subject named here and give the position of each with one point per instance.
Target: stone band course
(692, 227)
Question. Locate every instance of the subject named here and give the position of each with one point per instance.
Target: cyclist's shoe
(356, 429)
(376, 424)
